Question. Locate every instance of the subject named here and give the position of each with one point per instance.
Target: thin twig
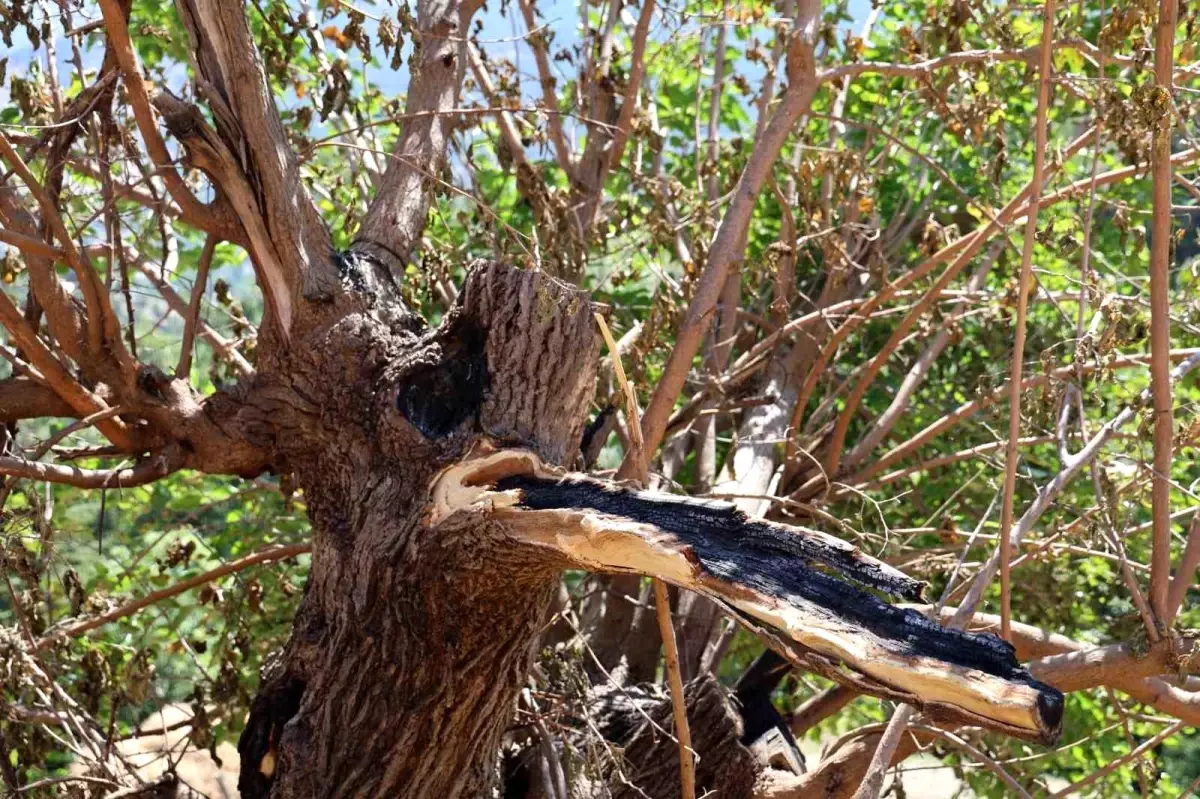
(128, 609)
(1018, 354)
(687, 764)
(662, 603)
(184, 367)
(1108, 768)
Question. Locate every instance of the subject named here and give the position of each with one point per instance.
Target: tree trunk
(412, 642)
(434, 466)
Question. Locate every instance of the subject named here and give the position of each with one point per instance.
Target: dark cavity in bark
(438, 398)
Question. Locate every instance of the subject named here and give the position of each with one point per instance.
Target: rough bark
(413, 640)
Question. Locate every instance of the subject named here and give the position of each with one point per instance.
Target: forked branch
(781, 582)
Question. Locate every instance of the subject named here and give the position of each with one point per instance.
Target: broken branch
(778, 581)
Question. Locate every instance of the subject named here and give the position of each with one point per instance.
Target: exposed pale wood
(764, 575)
(209, 152)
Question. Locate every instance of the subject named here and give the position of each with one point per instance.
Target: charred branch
(786, 584)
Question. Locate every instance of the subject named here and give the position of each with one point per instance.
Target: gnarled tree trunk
(412, 641)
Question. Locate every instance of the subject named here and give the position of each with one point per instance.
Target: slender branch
(920, 369)
(612, 152)
(207, 218)
(537, 43)
(1055, 486)
(962, 259)
(662, 603)
(145, 472)
(976, 753)
(1018, 353)
(56, 375)
(101, 321)
(1160, 316)
(504, 118)
(924, 68)
(224, 348)
(1184, 572)
(959, 252)
(968, 409)
(687, 763)
(76, 629)
(1112, 766)
(184, 368)
(727, 245)
(881, 760)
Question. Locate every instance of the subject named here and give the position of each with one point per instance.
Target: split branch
(781, 582)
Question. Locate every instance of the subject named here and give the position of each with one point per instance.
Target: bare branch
(57, 377)
(1060, 481)
(1113, 765)
(78, 628)
(1028, 56)
(968, 409)
(184, 366)
(605, 147)
(396, 217)
(250, 159)
(1160, 317)
(1185, 572)
(224, 348)
(64, 317)
(687, 764)
(728, 244)
(145, 472)
(104, 335)
(537, 43)
(24, 398)
(1018, 353)
(214, 219)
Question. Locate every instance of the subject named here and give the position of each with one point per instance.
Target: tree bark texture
(412, 643)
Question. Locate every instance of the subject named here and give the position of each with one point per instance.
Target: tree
(432, 407)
